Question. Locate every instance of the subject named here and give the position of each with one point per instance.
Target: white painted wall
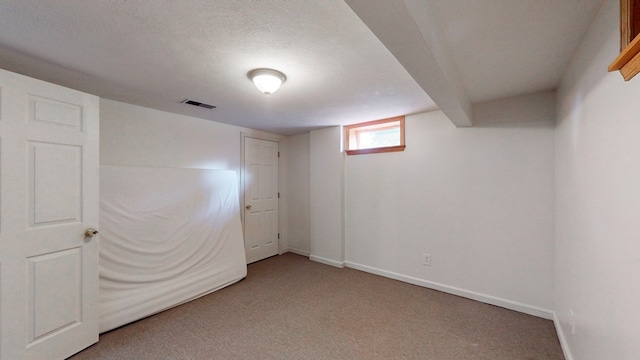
(132, 135)
(479, 200)
(326, 196)
(137, 136)
(297, 197)
(598, 200)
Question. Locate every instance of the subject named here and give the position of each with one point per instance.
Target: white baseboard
(563, 340)
(326, 261)
(488, 299)
(295, 251)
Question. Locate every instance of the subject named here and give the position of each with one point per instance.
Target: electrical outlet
(572, 321)
(426, 259)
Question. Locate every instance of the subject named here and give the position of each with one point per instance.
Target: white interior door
(49, 196)
(260, 199)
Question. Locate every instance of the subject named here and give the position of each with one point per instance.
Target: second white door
(260, 198)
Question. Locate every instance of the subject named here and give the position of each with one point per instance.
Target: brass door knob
(91, 232)
(248, 207)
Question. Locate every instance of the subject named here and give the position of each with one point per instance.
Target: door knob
(248, 207)
(91, 232)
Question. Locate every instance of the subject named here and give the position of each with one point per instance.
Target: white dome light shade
(267, 81)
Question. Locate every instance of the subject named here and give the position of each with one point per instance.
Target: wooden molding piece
(625, 23)
(629, 21)
(628, 62)
(376, 150)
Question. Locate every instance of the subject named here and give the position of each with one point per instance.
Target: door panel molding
(54, 293)
(51, 112)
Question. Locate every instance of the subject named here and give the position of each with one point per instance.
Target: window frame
(375, 150)
(628, 62)
(629, 22)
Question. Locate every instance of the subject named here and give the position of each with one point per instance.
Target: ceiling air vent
(197, 103)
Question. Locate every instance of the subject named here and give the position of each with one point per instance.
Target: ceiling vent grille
(197, 103)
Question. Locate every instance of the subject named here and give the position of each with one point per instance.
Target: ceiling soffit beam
(409, 31)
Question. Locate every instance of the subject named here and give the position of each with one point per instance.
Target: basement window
(378, 136)
(629, 60)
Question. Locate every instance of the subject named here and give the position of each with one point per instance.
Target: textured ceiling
(156, 53)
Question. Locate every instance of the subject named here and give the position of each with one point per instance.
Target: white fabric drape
(167, 236)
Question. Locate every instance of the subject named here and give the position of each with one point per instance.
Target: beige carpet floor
(289, 307)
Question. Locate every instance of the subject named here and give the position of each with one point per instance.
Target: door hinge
(278, 195)
(278, 236)
(278, 153)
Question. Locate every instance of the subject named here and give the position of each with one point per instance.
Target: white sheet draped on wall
(167, 236)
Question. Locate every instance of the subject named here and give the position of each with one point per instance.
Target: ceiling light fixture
(267, 81)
